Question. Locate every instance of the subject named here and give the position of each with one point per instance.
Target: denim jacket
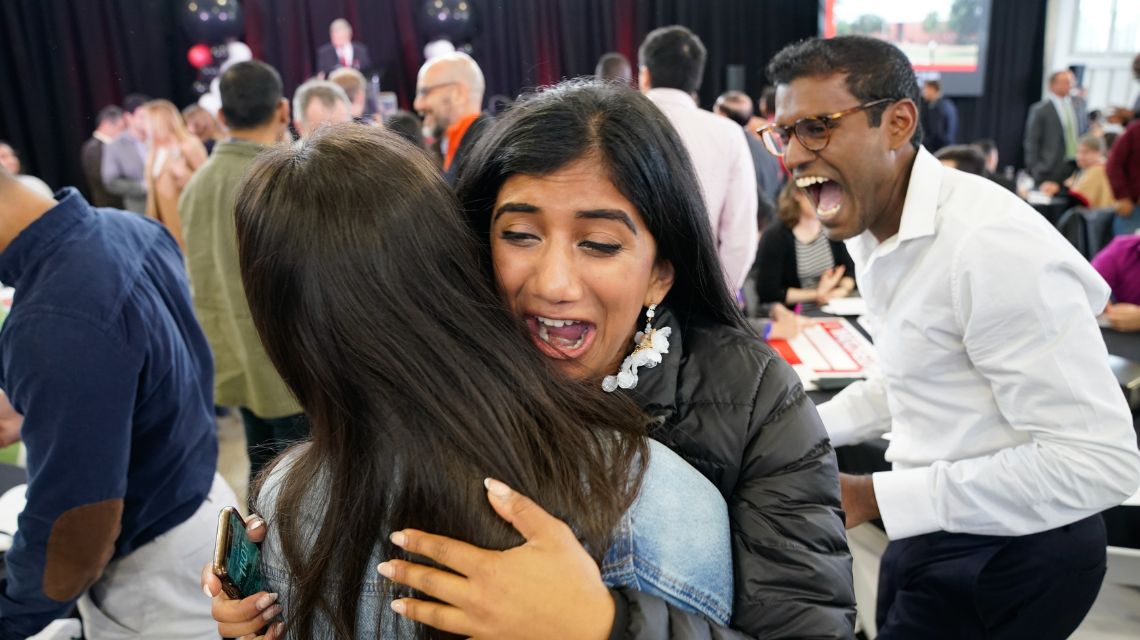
(673, 542)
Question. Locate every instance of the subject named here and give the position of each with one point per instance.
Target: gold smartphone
(237, 560)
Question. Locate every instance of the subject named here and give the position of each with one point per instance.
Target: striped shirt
(812, 259)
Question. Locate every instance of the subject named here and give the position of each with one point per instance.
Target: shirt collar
(920, 208)
(35, 242)
(239, 147)
(671, 97)
(102, 137)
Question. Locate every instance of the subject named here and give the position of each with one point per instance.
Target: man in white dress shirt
(672, 63)
(1008, 432)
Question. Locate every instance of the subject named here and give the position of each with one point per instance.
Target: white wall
(1108, 77)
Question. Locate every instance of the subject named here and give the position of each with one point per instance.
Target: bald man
(449, 98)
(108, 379)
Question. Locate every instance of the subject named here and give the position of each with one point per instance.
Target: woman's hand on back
(243, 618)
(506, 594)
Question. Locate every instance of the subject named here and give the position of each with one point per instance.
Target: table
(10, 476)
(1122, 523)
(1055, 208)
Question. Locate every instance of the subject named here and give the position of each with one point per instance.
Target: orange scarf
(455, 134)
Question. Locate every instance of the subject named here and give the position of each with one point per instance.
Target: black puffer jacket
(737, 413)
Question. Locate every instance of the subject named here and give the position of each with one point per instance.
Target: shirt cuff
(837, 420)
(905, 502)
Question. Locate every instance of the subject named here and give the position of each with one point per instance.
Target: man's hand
(549, 587)
(1123, 316)
(1124, 207)
(1049, 188)
(859, 503)
(243, 618)
(10, 422)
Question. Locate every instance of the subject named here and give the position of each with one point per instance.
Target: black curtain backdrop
(62, 60)
(1013, 79)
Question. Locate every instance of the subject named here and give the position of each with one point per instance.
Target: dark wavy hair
(675, 57)
(365, 286)
(645, 160)
(875, 69)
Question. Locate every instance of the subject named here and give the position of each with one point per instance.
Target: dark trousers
(954, 585)
(267, 437)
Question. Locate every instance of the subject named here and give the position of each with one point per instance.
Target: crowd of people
(472, 352)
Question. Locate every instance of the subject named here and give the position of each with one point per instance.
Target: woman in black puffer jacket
(737, 413)
(721, 398)
(590, 209)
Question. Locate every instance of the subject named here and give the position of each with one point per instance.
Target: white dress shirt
(724, 168)
(1002, 413)
(344, 55)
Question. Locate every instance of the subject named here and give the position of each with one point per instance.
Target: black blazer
(776, 263)
(91, 156)
(1045, 139)
(477, 129)
(327, 60)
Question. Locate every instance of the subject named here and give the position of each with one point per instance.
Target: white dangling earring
(651, 344)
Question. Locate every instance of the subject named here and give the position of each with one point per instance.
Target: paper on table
(846, 307)
(11, 506)
(828, 348)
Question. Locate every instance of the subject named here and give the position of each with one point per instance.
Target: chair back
(1099, 223)
(1072, 225)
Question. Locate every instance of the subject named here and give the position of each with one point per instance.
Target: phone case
(221, 546)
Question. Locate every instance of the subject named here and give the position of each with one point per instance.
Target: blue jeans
(1122, 226)
(674, 541)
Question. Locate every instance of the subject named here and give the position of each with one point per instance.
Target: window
(1108, 26)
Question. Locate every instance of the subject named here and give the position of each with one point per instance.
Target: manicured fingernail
(278, 629)
(264, 601)
(271, 613)
(386, 569)
(206, 590)
(398, 538)
(398, 606)
(256, 524)
(497, 489)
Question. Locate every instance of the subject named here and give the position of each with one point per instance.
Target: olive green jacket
(244, 376)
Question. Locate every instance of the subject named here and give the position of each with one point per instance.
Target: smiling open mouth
(825, 194)
(561, 338)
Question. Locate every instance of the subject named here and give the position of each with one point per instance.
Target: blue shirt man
(103, 358)
(939, 117)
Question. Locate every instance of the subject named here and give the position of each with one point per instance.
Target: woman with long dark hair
(591, 223)
(541, 189)
(364, 285)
